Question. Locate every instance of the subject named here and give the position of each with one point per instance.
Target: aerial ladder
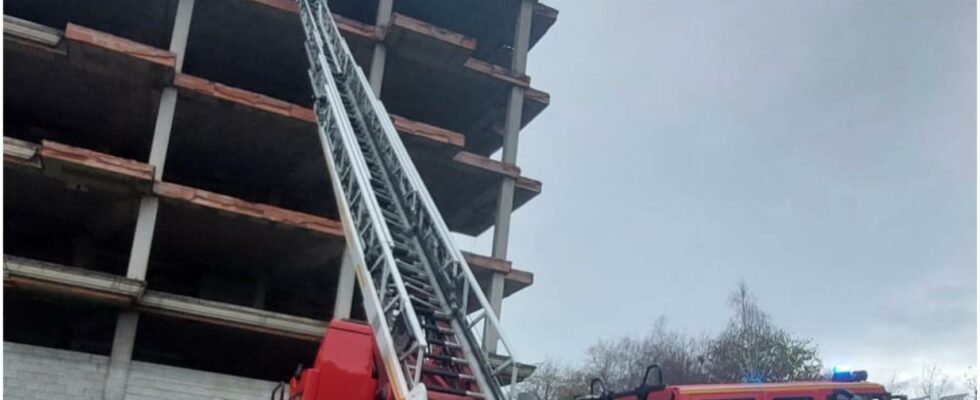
(424, 306)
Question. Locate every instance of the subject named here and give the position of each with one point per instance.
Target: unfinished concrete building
(170, 228)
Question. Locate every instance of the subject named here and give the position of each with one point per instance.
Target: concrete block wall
(31, 372)
(160, 382)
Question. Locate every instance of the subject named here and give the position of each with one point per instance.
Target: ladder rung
(422, 302)
(397, 225)
(415, 276)
(383, 191)
(448, 374)
(443, 343)
(419, 286)
(413, 279)
(453, 391)
(409, 266)
(437, 328)
(447, 358)
(411, 256)
(390, 215)
(384, 199)
(406, 254)
(419, 291)
(400, 246)
(446, 389)
(434, 314)
(398, 235)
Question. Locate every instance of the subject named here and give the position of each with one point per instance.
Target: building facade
(170, 228)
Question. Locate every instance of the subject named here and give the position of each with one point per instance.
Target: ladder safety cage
(417, 287)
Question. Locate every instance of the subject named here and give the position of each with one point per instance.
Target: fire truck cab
(844, 385)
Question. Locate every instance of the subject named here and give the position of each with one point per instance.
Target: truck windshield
(848, 395)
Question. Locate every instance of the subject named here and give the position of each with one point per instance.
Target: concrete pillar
(377, 70)
(345, 288)
(139, 255)
(505, 200)
(146, 220)
(122, 354)
(161, 130)
(182, 28)
(376, 75)
(168, 98)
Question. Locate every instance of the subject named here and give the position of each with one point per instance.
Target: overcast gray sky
(823, 151)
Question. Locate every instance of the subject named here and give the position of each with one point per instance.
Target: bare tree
(552, 381)
(751, 344)
(752, 349)
(933, 383)
(896, 385)
(622, 362)
(970, 382)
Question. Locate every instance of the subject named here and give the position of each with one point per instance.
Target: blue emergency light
(846, 375)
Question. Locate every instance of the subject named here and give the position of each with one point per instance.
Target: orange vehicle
(844, 385)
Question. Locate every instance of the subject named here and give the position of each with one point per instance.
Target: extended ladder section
(423, 303)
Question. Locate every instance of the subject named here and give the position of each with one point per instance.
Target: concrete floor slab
(228, 236)
(148, 22)
(67, 282)
(95, 169)
(484, 266)
(239, 317)
(262, 213)
(429, 44)
(63, 281)
(465, 190)
(429, 135)
(490, 23)
(20, 152)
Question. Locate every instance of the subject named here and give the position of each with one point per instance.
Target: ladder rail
(331, 44)
(454, 278)
(336, 134)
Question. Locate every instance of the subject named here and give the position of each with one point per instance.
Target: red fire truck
(348, 366)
